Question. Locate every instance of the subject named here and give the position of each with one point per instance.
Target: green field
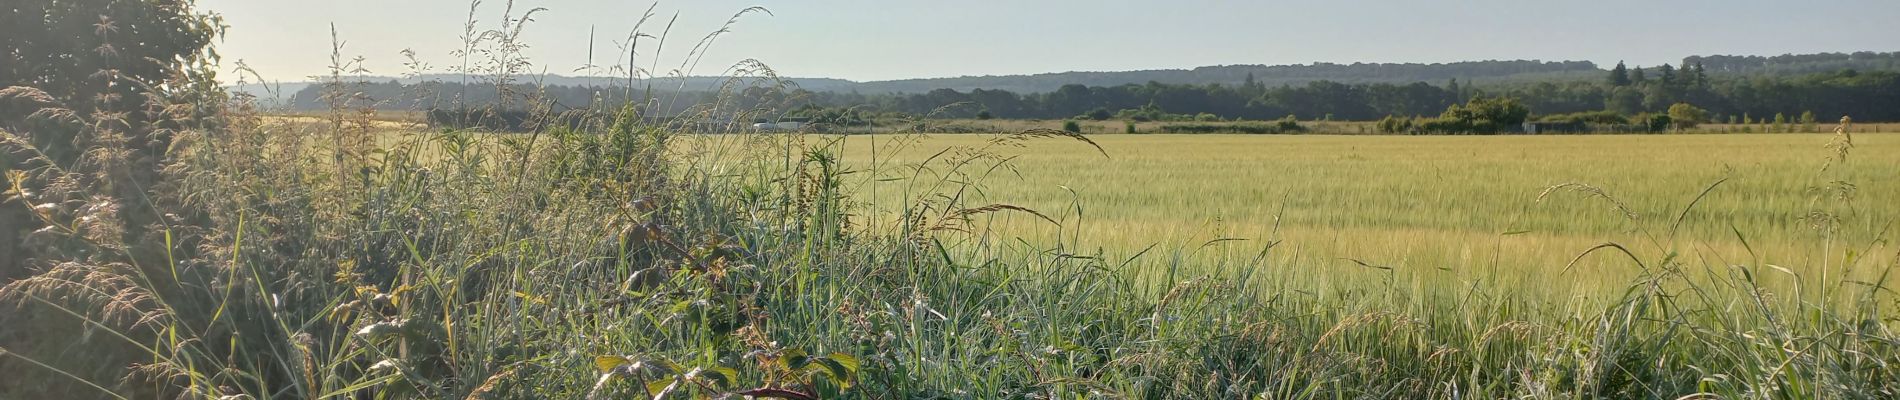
(1468, 205)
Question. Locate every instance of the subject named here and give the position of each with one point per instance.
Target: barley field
(1435, 207)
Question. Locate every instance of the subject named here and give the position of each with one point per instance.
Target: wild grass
(626, 260)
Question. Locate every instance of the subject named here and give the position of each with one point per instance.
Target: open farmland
(1494, 229)
(1433, 206)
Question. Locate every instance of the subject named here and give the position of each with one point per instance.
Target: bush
(1098, 114)
(1605, 117)
(1394, 124)
(1685, 116)
(1655, 122)
(1443, 126)
(1283, 126)
(1289, 124)
(1479, 116)
(1072, 126)
(1150, 112)
(1130, 127)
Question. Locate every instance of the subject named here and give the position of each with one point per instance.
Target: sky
(896, 39)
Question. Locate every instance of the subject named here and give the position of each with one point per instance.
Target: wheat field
(1436, 207)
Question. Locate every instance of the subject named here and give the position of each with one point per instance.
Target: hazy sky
(894, 39)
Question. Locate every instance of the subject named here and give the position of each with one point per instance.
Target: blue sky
(895, 39)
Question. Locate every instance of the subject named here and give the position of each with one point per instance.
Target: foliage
(1591, 117)
(92, 95)
(1282, 126)
(810, 113)
(1843, 92)
(1655, 122)
(1686, 116)
(1394, 124)
(1071, 126)
(1483, 116)
(1620, 75)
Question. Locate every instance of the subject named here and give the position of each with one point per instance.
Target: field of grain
(1435, 207)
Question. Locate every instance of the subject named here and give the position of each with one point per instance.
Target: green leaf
(721, 377)
(665, 366)
(608, 363)
(849, 362)
(663, 386)
(793, 359)
(833, 370)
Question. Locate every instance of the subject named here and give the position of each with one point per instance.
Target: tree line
(1627, 91)
(1869, 96)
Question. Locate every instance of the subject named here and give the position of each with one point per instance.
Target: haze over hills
(1274, 75)
(1490, 71)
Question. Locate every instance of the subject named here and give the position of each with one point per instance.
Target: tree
(1699, 77)
(104, 64)
(1637, 76)
(1808, 121)
(1619, 76)
(60, 47)
(1480, 116)
(1667, 74)
(1624, 100)
(1686, 116)
(95, 88)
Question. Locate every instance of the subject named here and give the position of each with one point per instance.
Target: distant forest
(1731, 88)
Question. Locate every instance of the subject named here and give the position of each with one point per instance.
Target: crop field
(1434, 207)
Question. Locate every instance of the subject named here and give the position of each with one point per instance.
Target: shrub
(1395, 124)
(1589, 117)
(1072, 126)
(1654, 122)
(1289, 124)
(1481, 115)
(1685, 116)
(1443, 126)
(1283, 126)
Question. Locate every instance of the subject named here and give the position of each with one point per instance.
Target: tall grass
(308, 261)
